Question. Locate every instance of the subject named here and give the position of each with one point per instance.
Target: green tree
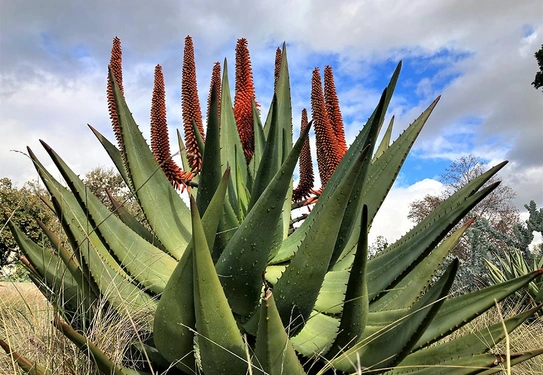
(21, 207)
(538, 80)
(102, 181)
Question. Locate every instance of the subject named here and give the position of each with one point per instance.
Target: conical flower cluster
(191, 107)
(116, 67)
(245, 95)
(160, 140)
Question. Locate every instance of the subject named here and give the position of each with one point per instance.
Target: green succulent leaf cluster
(232, 291)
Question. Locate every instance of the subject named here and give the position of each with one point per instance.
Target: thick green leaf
(175, 320)
(89, 290)
(274, 352)
(260, 141)
(228, 226)
(215, 210)
(116, 157)
(387, 166)
(133, 223)
(148, 264)
(164, 209)
(221, 345)
(244, 259)
(24, 363)
(477, 364)
(356, 306)
(317, 335)
(392, 343)
(515, 359)
(53, 272)
(231, 149)
(298, 288)
(449, 204)
(290, 244)
(412, 286)
(102, 361)
(350, 229)
(284, 130)
(109, 276)
(242, 191)
(210, 175)
(332, 293)
(459, 310)
(385, 141)
(271, 158)
(380, 177)
(183, 152)
(389, 267)
(466, 346)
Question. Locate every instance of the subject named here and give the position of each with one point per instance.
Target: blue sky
(477, 55)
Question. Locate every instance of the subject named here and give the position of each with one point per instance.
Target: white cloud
(391, 220)
(53, 61)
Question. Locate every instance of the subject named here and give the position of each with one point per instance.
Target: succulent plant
(512, 265)
(233, 286)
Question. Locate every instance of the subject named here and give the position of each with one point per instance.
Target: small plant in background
(513, 265)
(229, 283)
(520, 259)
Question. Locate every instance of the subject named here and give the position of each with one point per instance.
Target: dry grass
(25, 323)
(527, 336)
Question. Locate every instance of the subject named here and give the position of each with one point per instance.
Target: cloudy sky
(477, 54)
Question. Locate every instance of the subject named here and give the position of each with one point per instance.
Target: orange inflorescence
(215, 83)
(332, 108)
(191, 107)
(160, 141)
(116, 66)
(278, 61)
(328, 152)
(305, 185)
(245, 93)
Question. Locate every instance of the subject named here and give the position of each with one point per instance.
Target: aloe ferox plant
(234, 282)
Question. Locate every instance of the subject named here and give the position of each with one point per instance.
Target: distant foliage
(497, 208)
(102, 181)
(380, 244)
(21, 206)
(520, 259)
(538, 80)
(495, 225)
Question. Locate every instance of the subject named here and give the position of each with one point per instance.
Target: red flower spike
(305, 185)
(191, 107)
(116, 66)
(160, 142)
(332, 108)
(245, 93)
(278, 61)
(215, 83)
(328, 153)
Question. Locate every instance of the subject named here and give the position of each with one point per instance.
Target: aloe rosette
(232, 286)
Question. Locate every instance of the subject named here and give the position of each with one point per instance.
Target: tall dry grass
(26, 325)
(526, 337)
